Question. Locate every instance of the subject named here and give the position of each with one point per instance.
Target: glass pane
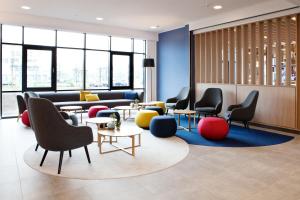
(138, 71)
(12, 34)
(39, 68)
(69, 69)
(97, 69)
(121, 44)
(39, 36)
(139, 46)
(11, 67)
(97, 42)
(121, 70)
(70, 39)
(9, 104)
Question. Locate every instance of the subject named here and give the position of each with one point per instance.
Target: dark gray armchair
(21, 105)
(243, 112)
(181, 101)
(210, 103)
(53, 133)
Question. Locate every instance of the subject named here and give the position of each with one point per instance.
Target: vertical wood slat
(261, 63)
(213, 56)
(225, 55)
(298, 70)
(238, 73)
(278, 54)
(245, 54)
(269, 53)
(202, 60)
(288, 52)
(219, 56)
(207, 58)
(253, 53)
(231, 55)
(197, 58)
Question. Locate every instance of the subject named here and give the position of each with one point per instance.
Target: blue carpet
(237, 137)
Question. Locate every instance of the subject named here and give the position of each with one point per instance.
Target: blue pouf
(158, 109)
(108, 113)
(163, 126)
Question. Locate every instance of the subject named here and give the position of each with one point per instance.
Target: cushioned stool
(25, 118)
(163, 126)
(143, 118)
(94, 109)
(160, 104)
(213, 128)
(158, 109)
(108, 113)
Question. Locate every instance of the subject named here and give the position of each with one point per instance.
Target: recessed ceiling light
(99, 18)
(266, 37)
(218, 7)
(293, 18)
(25, 7)
(154, 27)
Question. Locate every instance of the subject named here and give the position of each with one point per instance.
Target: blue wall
(173, 65)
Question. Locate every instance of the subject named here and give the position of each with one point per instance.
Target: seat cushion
(206, 109)
(170, 105)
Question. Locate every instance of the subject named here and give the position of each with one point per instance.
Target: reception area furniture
(108, 113)
(163, 126)
(74, 109)
(124, 109)
(189, 113)
(21, 106)
(210, 103)
(213, 128)
(180, 102)
(158, 109)
(93, 110)
(53, 133)
(144, 117)
(243, 112)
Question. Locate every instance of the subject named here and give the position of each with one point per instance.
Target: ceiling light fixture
(293, 18)
(99, 18)
(25, 7)
(218, 7)
(154, 27)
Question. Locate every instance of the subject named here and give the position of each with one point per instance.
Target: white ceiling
(134, 14)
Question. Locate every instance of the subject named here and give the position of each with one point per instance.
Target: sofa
(107, 98)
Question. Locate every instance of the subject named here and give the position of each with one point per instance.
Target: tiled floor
(207, 173)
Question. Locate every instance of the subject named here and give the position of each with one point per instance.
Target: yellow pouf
(160, 104)
(143, 118)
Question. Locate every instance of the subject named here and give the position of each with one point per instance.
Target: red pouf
(213, 128)
(94, 109)
(25, 118)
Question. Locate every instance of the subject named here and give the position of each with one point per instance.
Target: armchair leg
(44, 156)
(167, 110)
(36, 147)
(70, 153)
(87, 154)
(61, 155)
(245, 124)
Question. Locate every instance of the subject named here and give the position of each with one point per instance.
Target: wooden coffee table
(188, 113)
(123, 132)
(144, 104)
(74, 109)
(124, 109)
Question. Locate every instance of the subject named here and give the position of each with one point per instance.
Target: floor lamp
(149, 62)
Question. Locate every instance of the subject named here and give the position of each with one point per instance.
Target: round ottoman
(213, 128)
(25, 118)
(163, 126)
(158, 109)
(160, 104)
(108, 113)
(143, 118)
(94, 109)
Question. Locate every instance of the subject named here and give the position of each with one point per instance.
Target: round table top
(71, 107)
(146, 104)
(184, 112)
(100, 120)
(125, 108)
(122, 132)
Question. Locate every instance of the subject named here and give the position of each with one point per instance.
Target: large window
(42, 59)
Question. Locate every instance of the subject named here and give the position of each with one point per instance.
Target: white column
(151, 72)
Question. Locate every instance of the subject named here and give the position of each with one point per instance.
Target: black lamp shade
(149, 62)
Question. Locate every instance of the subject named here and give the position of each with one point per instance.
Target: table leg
(81, 115)
(129, 113)
(100, 143)
(133, 146)
(110, 139)
(178, 119)
(140, 140)
(194, 120)
(123, 114)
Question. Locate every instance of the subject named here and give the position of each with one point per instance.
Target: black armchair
(53, 133)
(21, 105)
(243, 112)
(181, 101)
(210, 103)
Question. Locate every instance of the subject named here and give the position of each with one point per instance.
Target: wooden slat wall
(252, 42)
(269, 53)
(238, 71)
(245, 48)
(225, 56)
(231, 55)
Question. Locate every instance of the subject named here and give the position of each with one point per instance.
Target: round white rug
(153, 155)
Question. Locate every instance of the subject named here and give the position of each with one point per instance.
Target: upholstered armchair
(210, 103)
(243, 112)
(53, 133)
(181, 101)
